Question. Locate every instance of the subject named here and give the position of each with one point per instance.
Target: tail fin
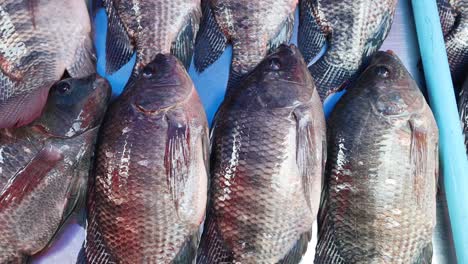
(329, 78)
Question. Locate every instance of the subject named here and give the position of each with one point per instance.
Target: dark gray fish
(454, 18)
(254, 28)
(149, 196)
(44, 167)
(267, 163)
(149, 27)
(463, 109)
(353, 29)
(379, 200)
(39, 41)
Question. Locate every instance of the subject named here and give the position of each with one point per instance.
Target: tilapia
(39, 41)
(44, 167)
(463, 109)
(254, 28)
(150, 191)
(454, 18)
(149, 27)
(379, 200)
(353, 30)
(267, 163)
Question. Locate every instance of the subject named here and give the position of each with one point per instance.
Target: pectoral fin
(177, 157)
(309, 155)
(26, 180)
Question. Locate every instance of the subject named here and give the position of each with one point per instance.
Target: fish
(352, 32)
(148, 197)
(40, 41)
(254, 28)
(44, 167)
(267, 161)
(379, 199)
(148, 28)
(463, 110)
(454, 19)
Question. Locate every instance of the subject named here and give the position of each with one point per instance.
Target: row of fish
(149, 192)
(266, 170)
(40, 42)
(260, 182)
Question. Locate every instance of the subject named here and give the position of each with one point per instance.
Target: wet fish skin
(463, 109)
(254, 28)
(150, 27)
(149, 196)
(44, 167)
(379, 198)
(354, 31)
(454, 19)
(267, 160)
(38, 42)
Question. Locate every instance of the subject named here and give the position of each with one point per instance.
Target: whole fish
(379, 200)
(267, 163)
(149, 196)
(454, 18)
(254, 28)
(39, 41)
(44, 167)
(354, 31)
(149, 27)
(463, 109)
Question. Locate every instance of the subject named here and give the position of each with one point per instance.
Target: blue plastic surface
(454, 163)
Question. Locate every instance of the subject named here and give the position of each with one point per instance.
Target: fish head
(162, 84)
(281, 80)
(390, 87)
(74, 106)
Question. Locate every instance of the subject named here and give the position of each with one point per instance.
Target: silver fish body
(44, 167)
(354, 30)
(149, 194)
(254, 28)
(268, 154)
(148, 28)
(454, 18)
(379, 200)
(39, 41)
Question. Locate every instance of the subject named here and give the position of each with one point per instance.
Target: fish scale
(254, 28)
(44, 169)
(354, 31)
(149, 195)
(39, 42)
(265, 167)
(379, 198)
(454, 19)
(148, 28)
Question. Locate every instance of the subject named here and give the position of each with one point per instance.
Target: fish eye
(275, 64)
(63, 87)
(382, 71)
(147, 72)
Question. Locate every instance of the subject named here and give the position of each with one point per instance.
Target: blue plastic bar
(454, 163)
